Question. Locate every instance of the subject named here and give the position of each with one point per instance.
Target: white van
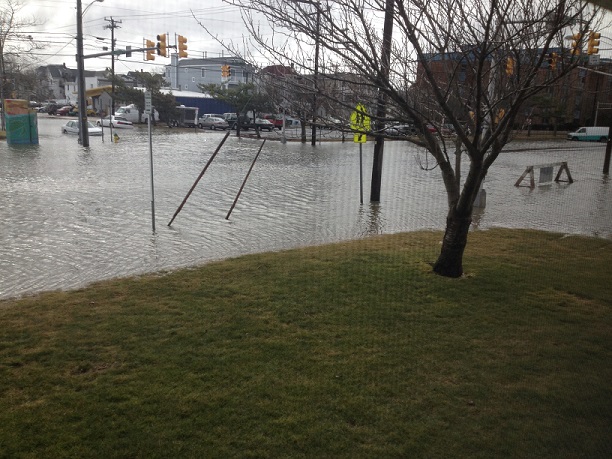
(591, 133)
(292, 122)
(131, 113)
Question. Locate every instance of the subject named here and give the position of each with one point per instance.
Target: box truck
(184, 117)
(131, 113)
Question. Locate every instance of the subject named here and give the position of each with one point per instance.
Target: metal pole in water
(361, 173)
(606, 168)
(152, 187)
(200, 176)
(245, 180)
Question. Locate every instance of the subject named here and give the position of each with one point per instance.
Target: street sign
(360, 124)
(148, 103)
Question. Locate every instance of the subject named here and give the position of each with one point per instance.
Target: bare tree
(471, 64)
(15, 44)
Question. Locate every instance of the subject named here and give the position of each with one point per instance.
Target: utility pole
(112, 26)
(83, 128)
(2, 75)
(316, 75)
(381, 109)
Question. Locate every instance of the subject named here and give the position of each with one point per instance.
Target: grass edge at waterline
(353, 349)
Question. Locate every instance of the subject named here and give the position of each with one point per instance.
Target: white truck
(131, 113)
(590, 133)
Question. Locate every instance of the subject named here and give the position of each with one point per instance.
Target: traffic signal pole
(119, 52)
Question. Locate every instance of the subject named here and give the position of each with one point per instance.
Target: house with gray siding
(187, 74)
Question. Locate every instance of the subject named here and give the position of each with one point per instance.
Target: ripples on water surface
(72, 215)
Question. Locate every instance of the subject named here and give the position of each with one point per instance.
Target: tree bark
(450, 260)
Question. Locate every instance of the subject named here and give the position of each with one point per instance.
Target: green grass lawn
(345, 350)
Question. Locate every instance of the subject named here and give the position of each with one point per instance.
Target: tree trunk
(450, 260)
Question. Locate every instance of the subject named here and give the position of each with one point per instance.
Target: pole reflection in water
(371, 219)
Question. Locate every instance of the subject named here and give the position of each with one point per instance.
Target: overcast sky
(140, 19)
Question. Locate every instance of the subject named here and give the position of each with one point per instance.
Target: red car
(64, 110)
(276, 120)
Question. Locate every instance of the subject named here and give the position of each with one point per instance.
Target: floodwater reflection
(75, 215)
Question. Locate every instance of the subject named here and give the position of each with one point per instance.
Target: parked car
(115, 122)
(331, 122)
(276, 120)
(63, 111)
(216, 115)
(75, 111)
(50, 108)
(212, 122)
(264, 124)
(72, 127)
(401, 130)
(291, 122)
(232, 121)
(448, 129)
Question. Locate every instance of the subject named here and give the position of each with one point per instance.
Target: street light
(83, 132)
(89, 6)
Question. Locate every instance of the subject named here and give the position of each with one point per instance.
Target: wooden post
(529, 171)
(566, 169)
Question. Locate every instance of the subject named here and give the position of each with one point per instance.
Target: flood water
(72, 215)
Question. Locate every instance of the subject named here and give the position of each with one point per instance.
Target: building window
(203, 73)
(193, 79)
(186, 87)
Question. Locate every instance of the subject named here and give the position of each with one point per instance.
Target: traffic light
(576, 46)
(552, 61)
(510, 66)
(592, 47)
(150, 53)
(182, 46)
(500, 115)
(161, 45)
(226, 71)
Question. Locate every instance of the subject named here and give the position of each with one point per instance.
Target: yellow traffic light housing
(576, 46)
(182, 46)
(224, 70)
(500, 115)
(510, 66)
(592, 47)
(150, 53)
(552, 61)
(161, 45)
